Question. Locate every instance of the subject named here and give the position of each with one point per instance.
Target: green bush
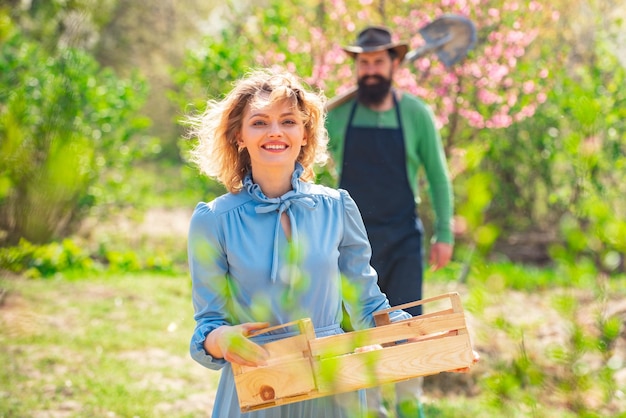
(69, 258)
(63, 122)
(45, 260)
(562, 171)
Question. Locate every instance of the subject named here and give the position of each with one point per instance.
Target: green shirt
(423, 149)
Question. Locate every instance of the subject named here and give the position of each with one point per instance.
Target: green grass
(117, 346)
(112, 346)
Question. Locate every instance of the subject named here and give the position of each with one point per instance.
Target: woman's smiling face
(273, 134)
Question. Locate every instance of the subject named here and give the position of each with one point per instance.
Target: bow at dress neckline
(281, 204)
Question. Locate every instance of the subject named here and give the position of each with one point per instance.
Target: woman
(276, 248)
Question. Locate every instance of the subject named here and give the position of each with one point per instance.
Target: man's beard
(373, 94)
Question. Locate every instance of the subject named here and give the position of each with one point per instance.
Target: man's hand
(440, 255)
(231, 344)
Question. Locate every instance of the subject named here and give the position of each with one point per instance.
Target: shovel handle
(340, 99)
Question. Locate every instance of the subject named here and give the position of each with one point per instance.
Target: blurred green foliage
(45, 260)
(563, 342)
(555, 180)
(63, 122)
(72, 258)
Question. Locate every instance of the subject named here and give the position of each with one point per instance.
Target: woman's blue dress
(244, 269)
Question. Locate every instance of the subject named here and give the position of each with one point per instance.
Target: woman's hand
(231, 344)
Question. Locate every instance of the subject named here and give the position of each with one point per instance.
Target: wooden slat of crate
(393, 364)
(336, 345)
(268, 384)
(282, 350)
(288, 372)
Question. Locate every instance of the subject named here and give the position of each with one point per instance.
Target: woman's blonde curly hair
(217, 153)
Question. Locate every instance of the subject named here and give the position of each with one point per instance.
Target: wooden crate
(304, 367)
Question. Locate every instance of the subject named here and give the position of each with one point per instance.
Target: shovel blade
(450, 36)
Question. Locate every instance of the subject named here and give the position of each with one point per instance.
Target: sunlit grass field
(100, 347)
(117, 346)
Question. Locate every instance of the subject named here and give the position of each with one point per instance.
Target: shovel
(449, 36)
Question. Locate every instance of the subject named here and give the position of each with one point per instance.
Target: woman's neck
(273, 183)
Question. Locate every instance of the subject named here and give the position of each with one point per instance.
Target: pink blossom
(528, 87)
(447, 104)
(497, 72)
(475, 70)
(423, 64)
(441, 91)
(316, 34)
(515, 36)
(495, 36)
(474, 118)
(528, 110)
(511, 99)
(335, 55)
(513, 6)
(499, 121)
(450, 78)
(495, 49)
(517, 52)
(339, 6)
(488, 97)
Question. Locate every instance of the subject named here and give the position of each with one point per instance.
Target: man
(379, 141)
